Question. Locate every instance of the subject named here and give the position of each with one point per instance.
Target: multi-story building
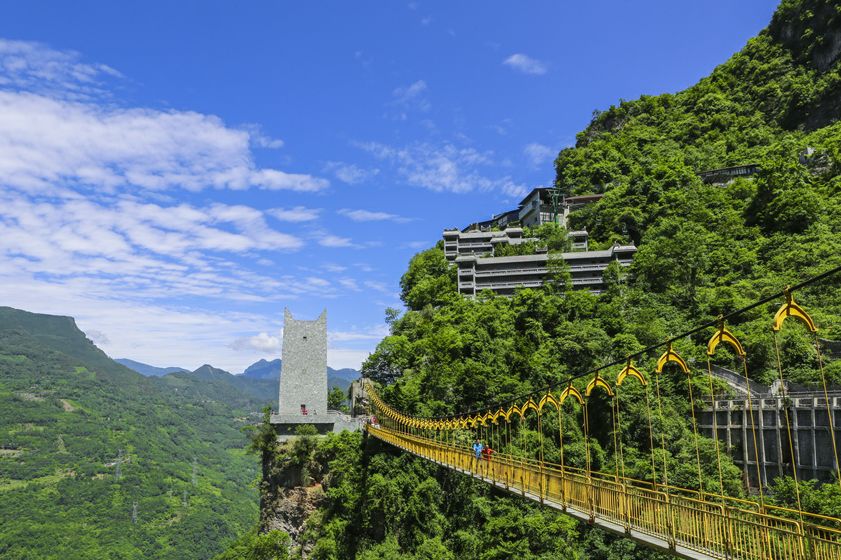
(538, 207)
(503, 275)
(478, 242)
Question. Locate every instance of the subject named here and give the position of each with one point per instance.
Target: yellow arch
(791, 309)
(633, 372)
(570, 391)
(670, 356)
(724, 335)
(598, 382)
(529, 405)
(499, 413)
(547, 399)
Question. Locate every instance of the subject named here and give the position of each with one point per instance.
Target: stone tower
(303, 378)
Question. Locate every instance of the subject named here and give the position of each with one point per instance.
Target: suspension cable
(663, 431)
(788, 427)
(695, 430)
(650, 434)
(829, 412)
(715, 430)
(753, 433)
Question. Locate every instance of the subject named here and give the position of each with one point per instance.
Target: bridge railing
(711, 525)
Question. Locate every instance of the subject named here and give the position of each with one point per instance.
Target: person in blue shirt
(477, 449)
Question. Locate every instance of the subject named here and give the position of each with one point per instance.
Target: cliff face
(810, 30)
(288, 510)
(291, 489)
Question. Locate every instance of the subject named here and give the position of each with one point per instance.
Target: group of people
(482, 451)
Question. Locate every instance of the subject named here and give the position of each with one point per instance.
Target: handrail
(707, 525)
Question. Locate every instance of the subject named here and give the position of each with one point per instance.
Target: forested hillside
(97, 461)
(704, 249)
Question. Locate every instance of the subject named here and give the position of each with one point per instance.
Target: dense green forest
(97, 461)
(704, 250)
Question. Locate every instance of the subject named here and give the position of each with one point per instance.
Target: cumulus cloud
(444, 168)
(262, 342)
(371, 216)
(537, 154)
(296, 214)
(59, 125)
(44, 141)
(525, 64)
(154, 251)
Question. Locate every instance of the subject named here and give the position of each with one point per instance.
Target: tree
(336, 400)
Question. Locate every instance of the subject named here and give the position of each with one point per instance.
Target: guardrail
(686, 522)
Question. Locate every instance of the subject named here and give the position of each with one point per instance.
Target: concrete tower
(303, 378)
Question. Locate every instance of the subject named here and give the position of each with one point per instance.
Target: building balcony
(512, 271)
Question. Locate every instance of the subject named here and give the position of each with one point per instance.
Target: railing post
(670, 522)
(728, 532)
(626, 510)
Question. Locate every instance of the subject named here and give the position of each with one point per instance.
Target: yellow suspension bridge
(701, 523)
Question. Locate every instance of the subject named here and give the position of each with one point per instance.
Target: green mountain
(705, 248)
(98, 461)
(146, 369)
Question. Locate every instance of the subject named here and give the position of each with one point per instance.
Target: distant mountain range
(146, 369)
(261, 370)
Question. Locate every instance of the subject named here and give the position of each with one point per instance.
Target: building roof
(532, 192)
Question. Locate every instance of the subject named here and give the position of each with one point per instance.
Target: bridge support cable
(715, 433)
(788, 425)
(791, 309)
(724, 335)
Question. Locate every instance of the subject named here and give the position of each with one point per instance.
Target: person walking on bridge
(477, 450)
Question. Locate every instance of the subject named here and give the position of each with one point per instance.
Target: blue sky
(174, 174)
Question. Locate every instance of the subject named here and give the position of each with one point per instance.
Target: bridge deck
(689, 527)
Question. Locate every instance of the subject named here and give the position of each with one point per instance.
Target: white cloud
(444, 168)
(262, 342)
(350, 173)
(378, 286)
(261, 140)
(409, 98)
(537, 154)
(371, 216)
(33, 66)
(525, 64)
(330, 240)
(58, 124)
(45, 141)
(296, 214)
(349, 283)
